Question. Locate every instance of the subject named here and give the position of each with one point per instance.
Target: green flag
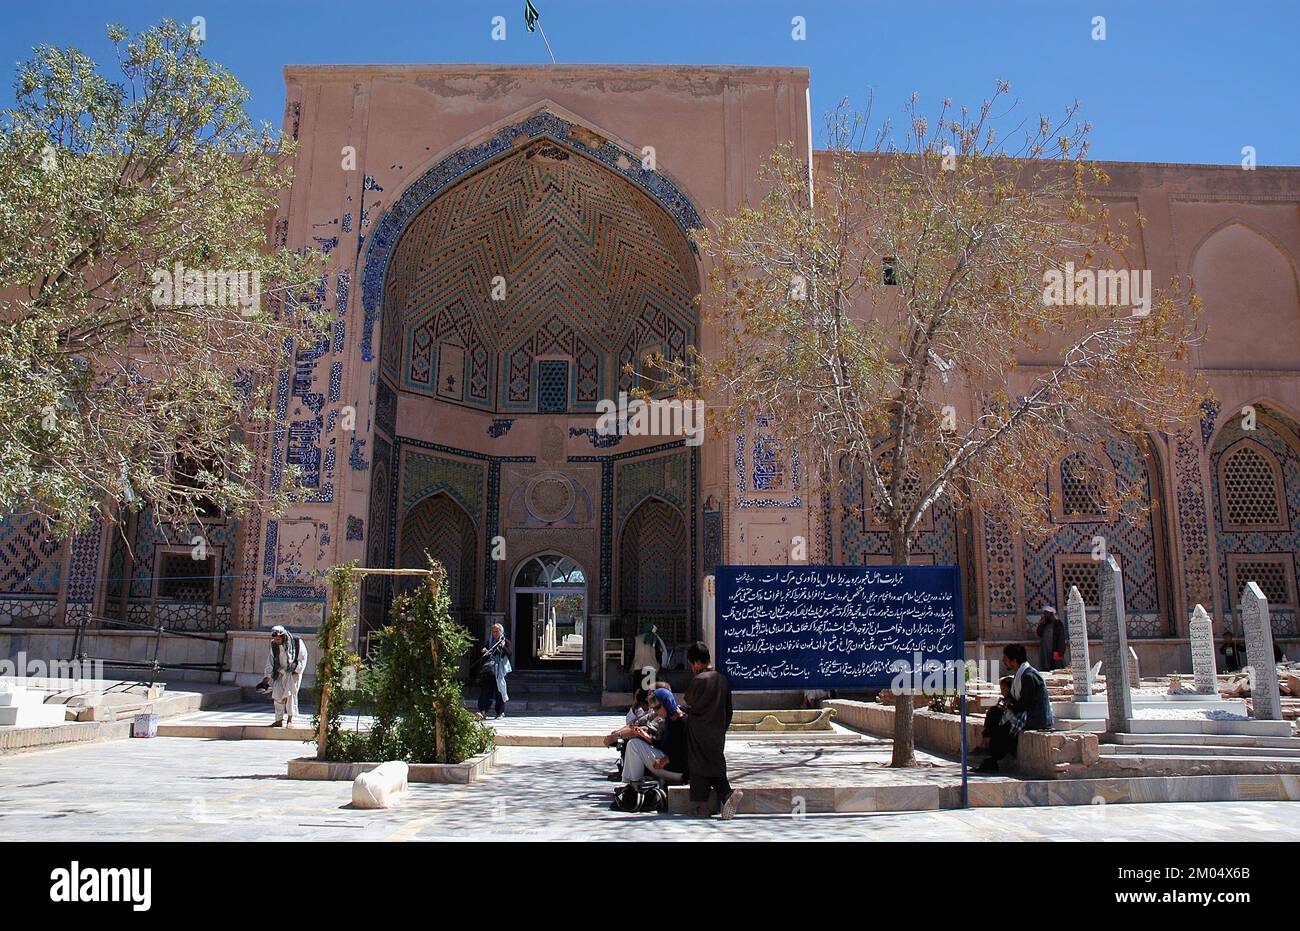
(530, 15)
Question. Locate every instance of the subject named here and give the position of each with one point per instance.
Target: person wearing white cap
(284, 668)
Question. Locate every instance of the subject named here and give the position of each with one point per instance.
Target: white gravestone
(1076, 620)
(1134, 669)
(1114, 638)
(381, 787)
(708, 615)
(1259, 654)
(1201, 631)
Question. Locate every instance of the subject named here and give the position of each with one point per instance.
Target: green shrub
(412, 685)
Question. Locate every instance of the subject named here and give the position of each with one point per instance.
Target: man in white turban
(284, 668)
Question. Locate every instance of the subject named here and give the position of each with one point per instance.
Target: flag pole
(547, 41)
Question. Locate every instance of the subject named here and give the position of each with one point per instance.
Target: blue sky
(1174, 80)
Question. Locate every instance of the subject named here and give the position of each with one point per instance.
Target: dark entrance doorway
(550, 614)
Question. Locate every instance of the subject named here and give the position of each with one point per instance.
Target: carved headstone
(1076, 620)
(1259, 654)
(1201, 631)
(1114, 637)
(1134, 669)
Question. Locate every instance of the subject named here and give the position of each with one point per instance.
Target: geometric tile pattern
(544, 251)
(374, 589)
(654, 567)
(641, 474)
(440, 528)
(1131, 537)
(1193, 517)
(1250, 488)
(219, 539)
(1023, 572)
(30, 562)
(661, 476)
(711, 523)
(424, 474)
(510, 141)
(863, 540)
(1273, 442)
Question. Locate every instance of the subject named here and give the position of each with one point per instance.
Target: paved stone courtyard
(190, 789)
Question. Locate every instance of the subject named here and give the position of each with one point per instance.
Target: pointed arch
(457, 165)
(1255, 478)
(439, 527)
(1248, 286)
(654, 570)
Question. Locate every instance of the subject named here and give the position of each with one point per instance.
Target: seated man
(639, 715)
(660, 753)
(1028, 706)
(1028, 697)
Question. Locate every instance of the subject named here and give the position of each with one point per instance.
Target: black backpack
(647, 795)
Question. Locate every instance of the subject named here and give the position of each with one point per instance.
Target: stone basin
(783, 720)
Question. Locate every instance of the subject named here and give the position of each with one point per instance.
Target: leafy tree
(414, 680)
(118, 385)
(336, 668)
(888, 311)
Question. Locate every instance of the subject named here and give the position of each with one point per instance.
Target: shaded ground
(186, 789)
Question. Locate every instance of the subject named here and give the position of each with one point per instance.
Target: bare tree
(880, 305)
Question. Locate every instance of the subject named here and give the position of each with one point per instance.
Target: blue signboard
(847, 627)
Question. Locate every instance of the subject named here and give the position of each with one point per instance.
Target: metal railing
(153, 664)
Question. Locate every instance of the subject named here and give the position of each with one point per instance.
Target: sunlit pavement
(194, 790)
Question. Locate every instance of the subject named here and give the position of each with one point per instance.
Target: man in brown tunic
(708, 703)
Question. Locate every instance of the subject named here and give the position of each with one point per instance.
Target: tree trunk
(904, 741)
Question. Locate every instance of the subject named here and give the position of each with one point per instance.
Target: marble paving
(512, 730)
(185, 789)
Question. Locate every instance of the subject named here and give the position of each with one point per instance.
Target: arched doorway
(549, 597)
(598, 272)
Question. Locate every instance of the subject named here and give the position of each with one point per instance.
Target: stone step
(1097, 710)
(1218, 740)
(1248, 727)
(32, 715)
(1188, 764)
(14, 696)
(236, 731)
(529, 705)
(21, 706)
(1086, 725)
(1211, 750)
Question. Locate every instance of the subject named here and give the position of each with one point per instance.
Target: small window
(553, 386)
(183, 578)
(1084, 575)
(1081, 494)
(1251, 489)
(888, 271)
(185, 472)
(1274, 575)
